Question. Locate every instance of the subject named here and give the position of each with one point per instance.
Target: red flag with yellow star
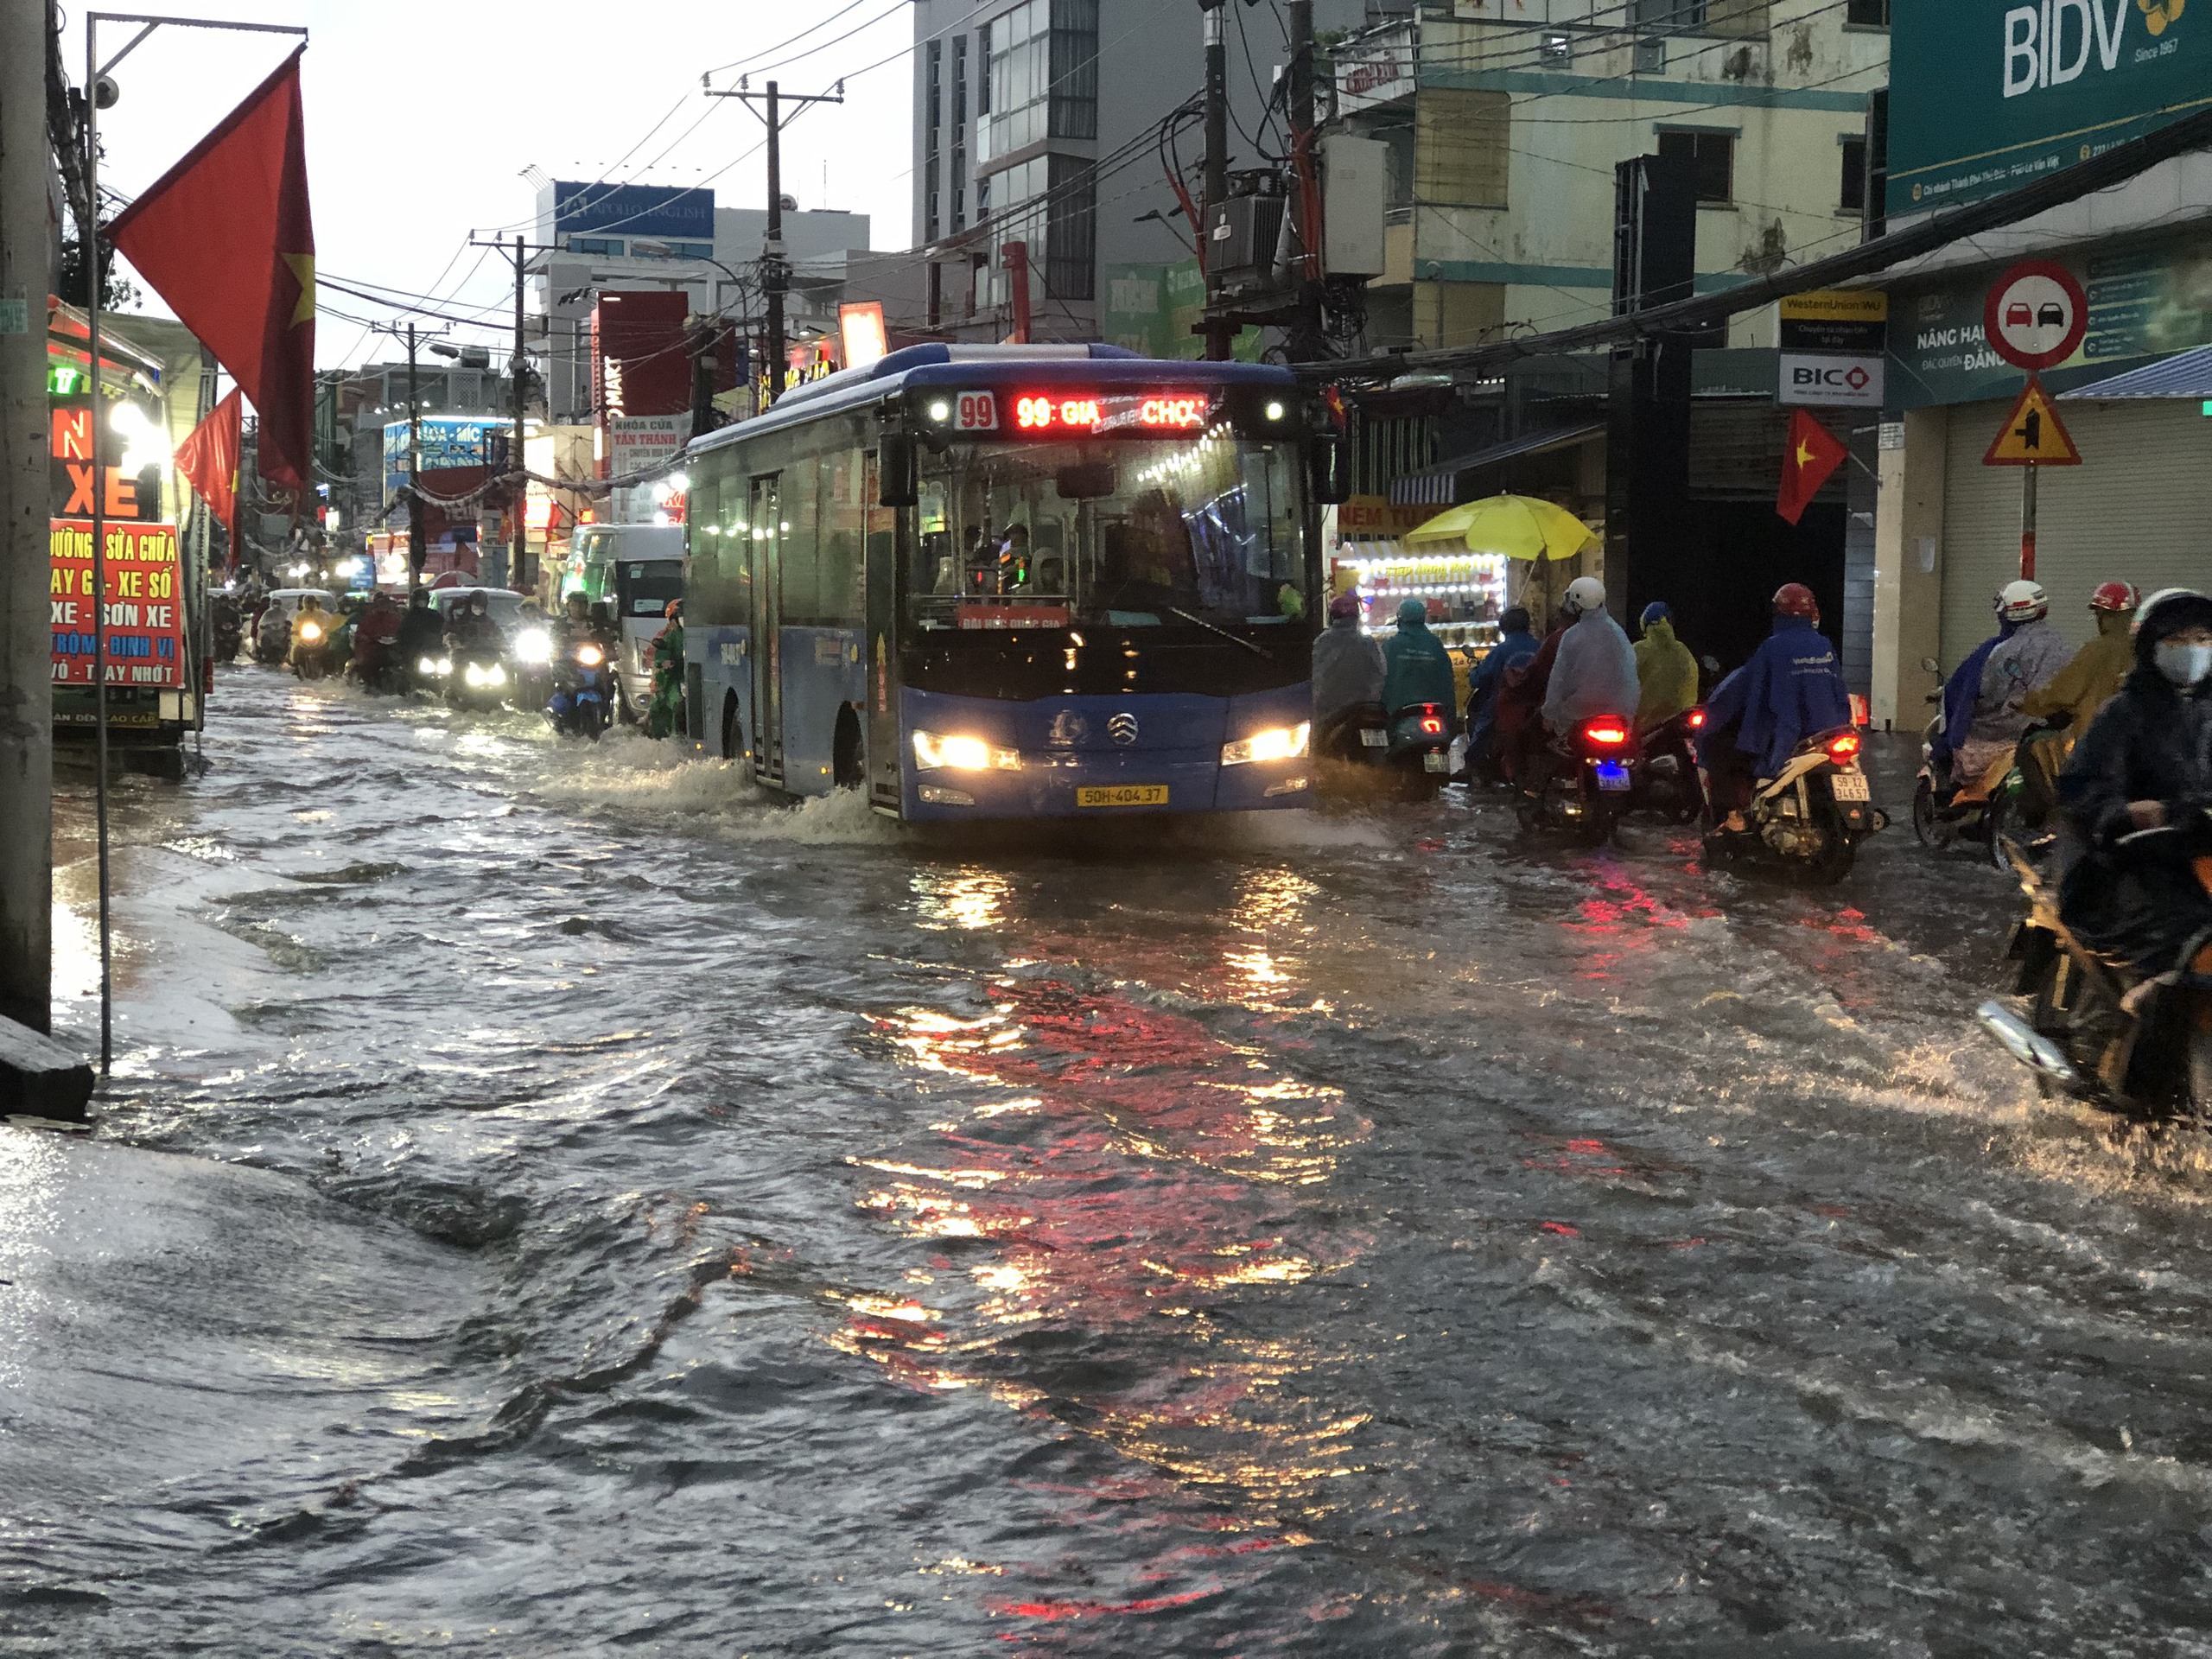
(1813, 453)
(209, 458)
(225, 238)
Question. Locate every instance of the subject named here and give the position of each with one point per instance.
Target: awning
(1438, 485)
(2187, 375)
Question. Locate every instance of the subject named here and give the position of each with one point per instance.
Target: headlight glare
(590, 655)
(1280, 743)
(954, 753)
(533, 645)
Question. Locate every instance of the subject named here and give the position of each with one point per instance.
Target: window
(932, 136)
(693, 250)
(1650, 57)
(1557, 49)
(960, 133)
(1868, 14)
(1062, 232)
(1712, 161)
(1044, 74)
(1851, 196)
(596, 245)
(1667, 14)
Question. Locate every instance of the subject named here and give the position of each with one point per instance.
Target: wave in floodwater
(557, 1199)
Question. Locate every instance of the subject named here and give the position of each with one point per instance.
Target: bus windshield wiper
(1234, 639)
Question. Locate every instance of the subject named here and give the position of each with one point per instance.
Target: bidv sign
(1989, 95)
(2053, 44)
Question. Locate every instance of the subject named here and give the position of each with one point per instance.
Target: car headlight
(590, 655)
(957, 754)
(533, 645)
(1281, 743)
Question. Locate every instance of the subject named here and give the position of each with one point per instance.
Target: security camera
(105, 92)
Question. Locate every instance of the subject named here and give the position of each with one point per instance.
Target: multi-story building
(1039, 123)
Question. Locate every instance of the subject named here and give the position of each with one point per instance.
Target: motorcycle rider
(1594, 672)
(1514, 648)
(1791, 688)
(2145, 763)
(1415, 666)
(1520, 697)
(473, 630)
(375, 638)
(311, 613)
(420, 632)
(1348, 672)
(2087, 683)
(1666, 673)
(2027, 657)
(575, 626)
(666, 716)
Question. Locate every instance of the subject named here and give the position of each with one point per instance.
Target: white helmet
(1584, 594)
(2023, 601)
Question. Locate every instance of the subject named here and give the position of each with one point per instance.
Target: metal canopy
(1439, 485)
(2185, 375)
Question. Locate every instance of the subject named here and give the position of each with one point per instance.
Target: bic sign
(1825, 380)
(2049, 44)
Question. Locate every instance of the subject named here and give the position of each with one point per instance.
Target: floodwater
(616, 1215)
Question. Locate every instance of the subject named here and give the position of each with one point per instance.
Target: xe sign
(1826, 379)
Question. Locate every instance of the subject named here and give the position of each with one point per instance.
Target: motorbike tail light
(1606, 733)
(1697, 720)
(1843, 746)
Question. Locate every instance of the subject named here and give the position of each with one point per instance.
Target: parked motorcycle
(2093, 1031)
(1810, 817)
(1668, 783)
(1589, 780)
(581, 704)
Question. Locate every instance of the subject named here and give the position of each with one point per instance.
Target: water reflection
(968, 900)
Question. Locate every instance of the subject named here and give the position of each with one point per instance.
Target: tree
(116, 294)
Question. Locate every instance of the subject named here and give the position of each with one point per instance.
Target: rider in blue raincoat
(1791, 688)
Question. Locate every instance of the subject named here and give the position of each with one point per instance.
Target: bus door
(767, 521)
(882, 647)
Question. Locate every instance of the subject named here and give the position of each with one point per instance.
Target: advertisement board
(1986, 95)
(1152, 309)
(683, 212)
(2151, 300)
(636, 441)
(145, 605)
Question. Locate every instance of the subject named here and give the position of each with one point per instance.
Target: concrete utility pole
(1218, 330)
(26, 641)
(415, 549)
(518, 378)
(1305, 340)
(775, 270)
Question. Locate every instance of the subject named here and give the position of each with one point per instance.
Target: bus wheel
(733, 731)
(850, 762)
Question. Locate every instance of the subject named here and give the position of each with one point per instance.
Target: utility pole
(775, 270)
(415, 551)
(1305, 340)
(1218, 330)
(26, 635)
(517, 539)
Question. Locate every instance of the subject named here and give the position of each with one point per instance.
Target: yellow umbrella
(1514, 526)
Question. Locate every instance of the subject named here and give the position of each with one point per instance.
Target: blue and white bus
(1010, 581)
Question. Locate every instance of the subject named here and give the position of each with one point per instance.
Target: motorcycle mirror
(1931, 665)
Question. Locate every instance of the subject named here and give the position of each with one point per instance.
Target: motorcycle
(2099, 1032)
(1810, 816)
(273, 637)
(230, 630)
(1668, 783)
(311, 648)
(580, 703)
(1417, 749)
(476, 677)
(1589, 780)
(535, 679)
(1355, 736)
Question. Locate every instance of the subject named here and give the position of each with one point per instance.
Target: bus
(1014, 581)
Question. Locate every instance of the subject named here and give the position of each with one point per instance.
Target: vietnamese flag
(224, 237)
(209, 459)
(1814, 454)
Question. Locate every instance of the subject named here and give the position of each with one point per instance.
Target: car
(504, 604)
(2052, 315)
(2018, 316)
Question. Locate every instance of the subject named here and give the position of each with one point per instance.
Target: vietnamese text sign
(1373, 516)
(1986, 95)
(145, 604)
(637, 441)
(1852, 320)
(1823, 379)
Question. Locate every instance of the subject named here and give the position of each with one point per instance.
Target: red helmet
(1795, 599)
(2115, 596)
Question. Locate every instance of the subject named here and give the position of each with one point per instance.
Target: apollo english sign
(1986, 95)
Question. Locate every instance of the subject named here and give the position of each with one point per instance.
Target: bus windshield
(1130, 533)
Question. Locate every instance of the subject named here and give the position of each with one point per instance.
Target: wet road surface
(620, 1215)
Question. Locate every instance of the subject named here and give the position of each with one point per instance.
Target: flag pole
(88, 238)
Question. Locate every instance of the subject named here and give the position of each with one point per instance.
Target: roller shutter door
(2138, 509)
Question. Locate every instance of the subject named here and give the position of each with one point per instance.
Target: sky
(422, 116)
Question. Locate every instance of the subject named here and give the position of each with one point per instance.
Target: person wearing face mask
(2144, 767)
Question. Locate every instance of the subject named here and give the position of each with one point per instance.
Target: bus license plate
(1851, 786)
(1612, 774)
(1122, 795)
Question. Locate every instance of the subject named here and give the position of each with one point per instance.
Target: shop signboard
(1376, 517)
(2147, 300)
(1153, 309)
(637, 441)
(1985, 96)
(1853, 321)
(1828, 380)
(448, 442)
(1375, 69)
(145, 605)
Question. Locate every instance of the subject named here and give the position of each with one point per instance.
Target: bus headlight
(1282, 743)
(954, 754)
(533, 645)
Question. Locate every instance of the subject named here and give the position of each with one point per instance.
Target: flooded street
(619, 1214)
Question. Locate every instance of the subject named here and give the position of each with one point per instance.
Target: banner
(145, 605)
